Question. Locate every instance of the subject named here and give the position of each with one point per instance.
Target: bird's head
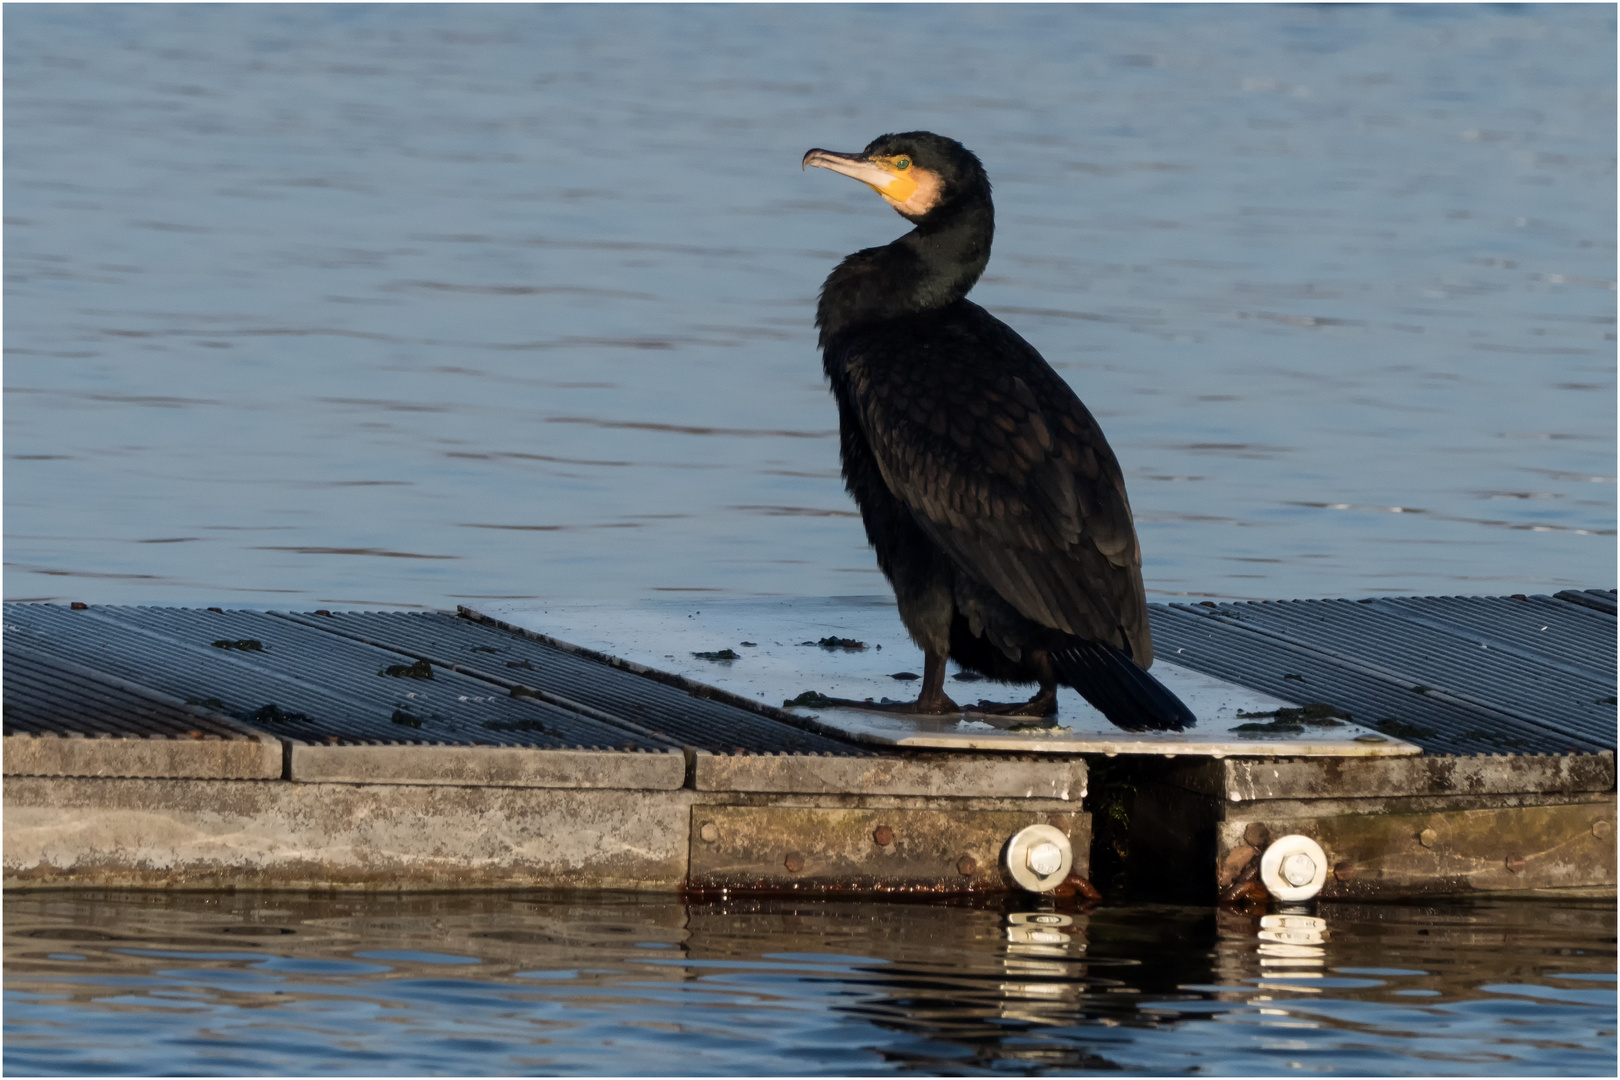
(917, 172)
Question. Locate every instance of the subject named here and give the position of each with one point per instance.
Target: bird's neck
(929, 268)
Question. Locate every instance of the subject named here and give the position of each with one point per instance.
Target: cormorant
(997, 509)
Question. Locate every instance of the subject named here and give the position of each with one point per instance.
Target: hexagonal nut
(1044, 859)
(967, 866)
(1601, 829)
(882, 836)
(794, 862)
(1428, 838)
(708, 832)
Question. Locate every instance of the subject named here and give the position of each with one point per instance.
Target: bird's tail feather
(1130, 697)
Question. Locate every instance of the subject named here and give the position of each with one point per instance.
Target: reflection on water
(408, 304)
(142, 983)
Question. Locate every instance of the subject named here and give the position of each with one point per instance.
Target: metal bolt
(1256, 835)
(1298, 869)
(1602, 829)
(708, 832)
(1428, 838)
(1344, 871)
(967, 865)
(1514, 863)
(794, 862)
(1044, 859)
(882, 836)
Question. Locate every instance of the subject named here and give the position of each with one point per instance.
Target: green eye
(903, 164)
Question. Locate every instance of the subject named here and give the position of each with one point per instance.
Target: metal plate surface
(777, 658)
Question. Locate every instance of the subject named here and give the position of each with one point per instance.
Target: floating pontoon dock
(1374, 748)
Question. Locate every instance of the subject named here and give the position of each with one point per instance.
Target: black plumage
(994, 503)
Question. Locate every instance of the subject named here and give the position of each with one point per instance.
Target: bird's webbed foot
(1042, 704)
(925, 705)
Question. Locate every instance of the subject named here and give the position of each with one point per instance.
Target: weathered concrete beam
(1248, 780)
(213, 834)
(958, 776)
(1568, 844)
(248, 758)
(487, 766)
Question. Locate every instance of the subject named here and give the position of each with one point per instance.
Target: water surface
(133, 983)
(404, 305)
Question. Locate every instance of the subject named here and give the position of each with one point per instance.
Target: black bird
(997, 509)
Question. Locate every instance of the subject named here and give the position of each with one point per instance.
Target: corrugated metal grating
(1470, 675)
(359, 678)
(1456, 675)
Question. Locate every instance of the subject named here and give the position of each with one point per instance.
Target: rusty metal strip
(820, 850)
(1500, 849)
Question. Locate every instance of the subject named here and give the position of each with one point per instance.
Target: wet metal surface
(48, 695)
(1529, 674)
(1453, 675)
(1450, 674)
(599, 983)
(312, 678)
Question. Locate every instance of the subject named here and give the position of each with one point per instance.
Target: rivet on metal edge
(1428, 838)
(1601, 829)
(709, 832)
(967, 866)
(794, 862)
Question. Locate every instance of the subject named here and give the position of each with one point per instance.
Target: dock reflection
(550, 980)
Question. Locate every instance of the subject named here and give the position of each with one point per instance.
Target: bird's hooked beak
(879, 174)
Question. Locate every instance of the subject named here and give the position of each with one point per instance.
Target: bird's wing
(1005, 468)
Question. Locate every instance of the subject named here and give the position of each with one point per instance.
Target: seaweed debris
(273, 714)
(1401, 729)
(722, 656)
(419, 670)
(1292, 721)
(810, 699)
(241, 645)
(830, 643)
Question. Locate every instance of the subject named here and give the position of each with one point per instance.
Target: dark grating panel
(48, 696)
(1596, 599)
(1452, 674)
(511, 658)
(324, 688)
(321, 679)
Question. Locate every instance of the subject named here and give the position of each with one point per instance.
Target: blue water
(405, 305)
(140, 984)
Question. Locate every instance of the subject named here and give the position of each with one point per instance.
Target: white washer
(1039, 857)
(1294, 867)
